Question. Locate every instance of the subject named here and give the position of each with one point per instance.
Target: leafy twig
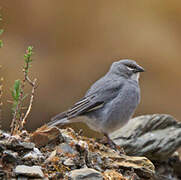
(16, 103)
(30, 104)
(19, 118)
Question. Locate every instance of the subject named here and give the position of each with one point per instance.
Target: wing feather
(99, 94)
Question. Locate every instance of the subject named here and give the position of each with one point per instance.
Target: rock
(69, 135)
(110, 174)
(30, 155)
(27, 145)
(37, 151)
(155, 136)
(4, 135)
(69, 162)
(85, 174)
(176, 164)
(141, 165)
(45, 135)
(2, 174)
(52, 156)
(17, 145)
(35, 154)
(170, 169)
(22, 178)
(65, 148)
(30, 171)
(9, 157)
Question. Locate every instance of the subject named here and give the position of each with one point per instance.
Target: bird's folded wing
(93, 100)
(86, 104)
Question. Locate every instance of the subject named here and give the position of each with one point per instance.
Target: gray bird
(110, 102)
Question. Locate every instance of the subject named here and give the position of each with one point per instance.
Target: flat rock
(45, 135)
(155, 136)
(85, 174)
(141, 165)
(111, 174)
(30, 171)
(66, 148)
(69, 162)
(17, 145)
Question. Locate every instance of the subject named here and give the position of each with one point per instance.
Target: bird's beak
(139, 69)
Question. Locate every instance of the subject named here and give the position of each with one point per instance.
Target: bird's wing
(95, 98)
(86, 104)
(100, 93)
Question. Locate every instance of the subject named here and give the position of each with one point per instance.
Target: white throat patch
(135, 76)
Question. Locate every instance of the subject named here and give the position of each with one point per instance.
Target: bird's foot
(113, 145)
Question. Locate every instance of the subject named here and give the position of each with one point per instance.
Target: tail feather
(59, 119)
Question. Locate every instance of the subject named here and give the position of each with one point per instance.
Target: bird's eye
(131, 68)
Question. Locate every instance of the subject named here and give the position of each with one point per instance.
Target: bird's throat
(135, 76)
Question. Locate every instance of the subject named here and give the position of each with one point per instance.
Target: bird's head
(128, 68)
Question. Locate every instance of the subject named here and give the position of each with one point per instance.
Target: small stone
(30, 171)
(66, 148)
(9, 157)
(35, 154)
(37, 151)
(17, 145)
(68, 135)
(2, 174)
(85, 174)
(45, 135)
(109, 174)
(69, 162)
(28, 145)
(30, 155)
(22, 178)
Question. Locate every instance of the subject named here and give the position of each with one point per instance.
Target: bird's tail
(59, 120)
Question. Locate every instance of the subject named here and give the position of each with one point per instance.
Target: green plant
(18, 95)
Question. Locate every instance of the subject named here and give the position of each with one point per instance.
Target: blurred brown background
(75, 43)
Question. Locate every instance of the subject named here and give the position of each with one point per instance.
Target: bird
(109, 103)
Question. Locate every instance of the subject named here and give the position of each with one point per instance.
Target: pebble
(85, 174)
(30, 171)
(9, 157)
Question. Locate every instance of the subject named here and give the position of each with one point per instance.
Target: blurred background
(75, 43)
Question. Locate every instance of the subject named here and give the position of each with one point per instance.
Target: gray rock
(66, 148)
(85, 174)
(22, 178)
(17, 145)
(155, 136)
(30, 171)
(9, 157)
(69, 162)
(35, 154)
(30, 155)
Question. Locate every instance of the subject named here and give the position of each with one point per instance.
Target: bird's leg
(110, 142)
(113, 145)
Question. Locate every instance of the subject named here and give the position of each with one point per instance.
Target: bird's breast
(119, 110)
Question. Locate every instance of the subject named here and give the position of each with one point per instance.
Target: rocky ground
(150, 144)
